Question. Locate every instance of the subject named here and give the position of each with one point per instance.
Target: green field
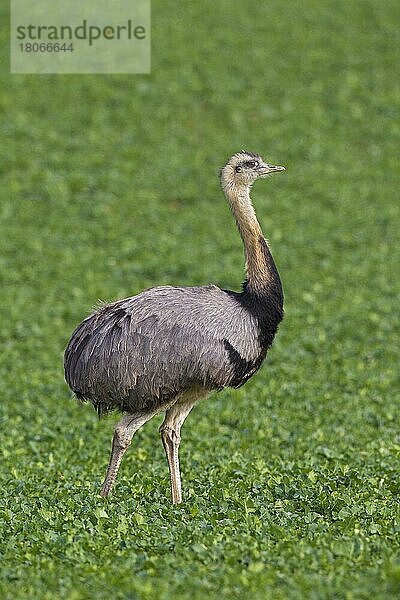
(109, 185)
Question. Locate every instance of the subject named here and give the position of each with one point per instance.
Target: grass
(109, 186)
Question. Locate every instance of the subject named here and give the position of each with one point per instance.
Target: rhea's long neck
(261, 272)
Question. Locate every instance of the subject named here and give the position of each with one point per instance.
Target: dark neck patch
(264, 300)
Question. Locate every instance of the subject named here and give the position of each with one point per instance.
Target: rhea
(168, 347)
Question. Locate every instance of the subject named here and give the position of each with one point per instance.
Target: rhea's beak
(266, 169)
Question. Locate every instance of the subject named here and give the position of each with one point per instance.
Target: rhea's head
(243, 168)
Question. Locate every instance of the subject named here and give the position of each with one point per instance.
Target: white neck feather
(258, 266)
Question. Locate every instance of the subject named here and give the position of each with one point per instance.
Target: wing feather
(141, 351)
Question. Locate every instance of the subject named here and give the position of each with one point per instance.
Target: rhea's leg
(170, 435)
(124, 431)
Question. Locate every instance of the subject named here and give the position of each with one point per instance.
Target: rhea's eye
(252, 164)
(238, 168)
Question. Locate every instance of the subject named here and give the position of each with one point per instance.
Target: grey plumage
(141, 352)
(169, 346)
